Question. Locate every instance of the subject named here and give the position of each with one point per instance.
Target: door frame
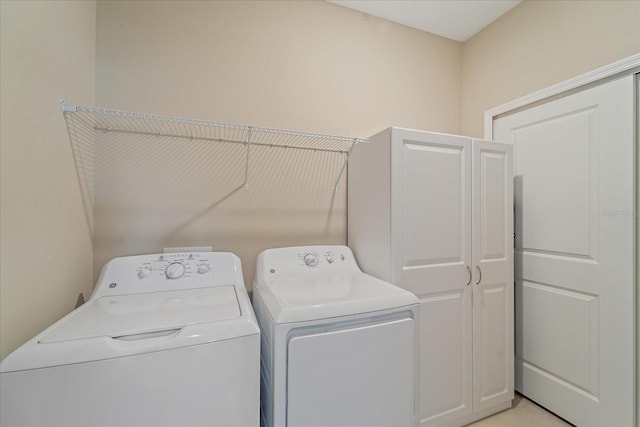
(624, 67)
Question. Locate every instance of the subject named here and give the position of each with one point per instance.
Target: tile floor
(523, 413)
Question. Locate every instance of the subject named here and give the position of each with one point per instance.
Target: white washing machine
(164, 340)
(339, 347)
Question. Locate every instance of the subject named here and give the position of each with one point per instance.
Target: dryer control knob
(175, 270)
(311, 260)
(144, 272)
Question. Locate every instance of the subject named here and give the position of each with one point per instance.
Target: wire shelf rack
(87, 126)
(152, 124)
(84, 122)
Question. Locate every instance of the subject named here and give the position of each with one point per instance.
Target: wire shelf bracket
(245, 186)
(108, 120)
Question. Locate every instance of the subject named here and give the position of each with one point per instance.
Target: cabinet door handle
(480, 274)
(470, 274)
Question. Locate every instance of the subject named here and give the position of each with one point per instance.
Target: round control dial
(203, 268)
(311, 259)
(175, 270)
(144, 272)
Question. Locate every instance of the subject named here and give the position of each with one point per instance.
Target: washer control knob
(175, 270)
(203, 268)
(330, 259)
(144, 273)
(311, 260)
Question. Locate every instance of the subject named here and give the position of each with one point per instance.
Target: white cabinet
(433, 213)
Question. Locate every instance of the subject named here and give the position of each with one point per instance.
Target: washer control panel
(307, 260)
(168, 271)
(173, 266)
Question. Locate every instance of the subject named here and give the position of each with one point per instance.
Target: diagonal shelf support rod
(344, 165)
(245, 187)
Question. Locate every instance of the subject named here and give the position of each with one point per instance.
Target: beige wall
(302, 65)
(305, 65)
(47, 52)
(538, 44)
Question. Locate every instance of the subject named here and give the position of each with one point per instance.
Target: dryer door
(362, 376)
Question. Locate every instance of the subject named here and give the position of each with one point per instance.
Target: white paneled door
(431, 216)
(492, 256)
(574, 194)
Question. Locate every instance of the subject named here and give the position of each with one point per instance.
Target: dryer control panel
(307, 260)
(168, 271)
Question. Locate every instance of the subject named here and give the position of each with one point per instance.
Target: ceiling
(454, 19)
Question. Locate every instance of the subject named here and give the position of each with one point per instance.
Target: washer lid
(298, 298)
(130, 315)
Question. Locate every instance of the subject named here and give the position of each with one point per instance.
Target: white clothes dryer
(339, 347)
(165, 340)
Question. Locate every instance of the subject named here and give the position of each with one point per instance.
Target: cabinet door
(492, 254)
(431, 257)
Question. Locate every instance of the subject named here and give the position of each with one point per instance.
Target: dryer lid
(303, 297)
(129, 315)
